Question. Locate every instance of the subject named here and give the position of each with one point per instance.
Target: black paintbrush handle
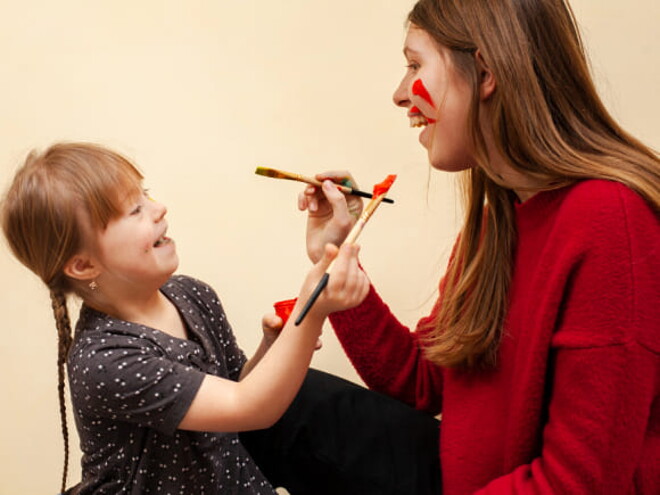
(362, 194)
(315, 295)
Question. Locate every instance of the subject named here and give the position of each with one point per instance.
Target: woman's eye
(412, 66)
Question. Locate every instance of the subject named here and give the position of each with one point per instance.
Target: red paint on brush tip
(382, 187)
(420, 90)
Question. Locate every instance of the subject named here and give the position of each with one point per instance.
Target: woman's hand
(330, 213)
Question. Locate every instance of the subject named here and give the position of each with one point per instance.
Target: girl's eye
(137, 210)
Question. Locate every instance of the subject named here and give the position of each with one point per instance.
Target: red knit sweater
(572, 406)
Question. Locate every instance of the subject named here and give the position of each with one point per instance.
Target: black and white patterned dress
(131, 385)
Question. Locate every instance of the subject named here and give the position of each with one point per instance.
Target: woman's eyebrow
(407, 51)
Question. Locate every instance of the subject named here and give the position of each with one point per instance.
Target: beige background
(199, 93)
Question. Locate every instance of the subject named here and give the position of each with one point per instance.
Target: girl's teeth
(161, 241)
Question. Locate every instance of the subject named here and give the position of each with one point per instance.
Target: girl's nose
(160, 210)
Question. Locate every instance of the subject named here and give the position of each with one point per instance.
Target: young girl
(543, 350)
(158, 383)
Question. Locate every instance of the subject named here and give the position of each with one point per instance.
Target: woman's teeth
(418, 121)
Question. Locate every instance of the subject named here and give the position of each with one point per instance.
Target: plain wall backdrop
(199, 93)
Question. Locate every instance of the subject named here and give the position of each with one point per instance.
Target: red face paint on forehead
(420, 90)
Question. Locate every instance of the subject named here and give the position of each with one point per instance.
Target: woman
(541, 352)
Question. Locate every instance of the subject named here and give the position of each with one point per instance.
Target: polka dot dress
(131, 385)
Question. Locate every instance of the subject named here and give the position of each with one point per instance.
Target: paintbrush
(380, 190)
(280, 174)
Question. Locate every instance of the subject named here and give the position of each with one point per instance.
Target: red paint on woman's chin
(420, 90)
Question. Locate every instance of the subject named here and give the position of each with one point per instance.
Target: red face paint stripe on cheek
(420, 90)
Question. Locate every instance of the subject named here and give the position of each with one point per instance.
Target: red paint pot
(283, 308)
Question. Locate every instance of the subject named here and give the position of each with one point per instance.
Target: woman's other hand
(330, 213)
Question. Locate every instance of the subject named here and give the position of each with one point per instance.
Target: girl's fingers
(271, 322)
(344, 271)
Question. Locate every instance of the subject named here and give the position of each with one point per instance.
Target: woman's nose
(400, 96)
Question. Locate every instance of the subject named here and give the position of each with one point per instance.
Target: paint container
(283, 308)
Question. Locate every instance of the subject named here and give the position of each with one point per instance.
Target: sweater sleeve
(601, 434)
(387, 355)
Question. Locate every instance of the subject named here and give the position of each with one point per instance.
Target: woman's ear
(487, 82)
(81, 267)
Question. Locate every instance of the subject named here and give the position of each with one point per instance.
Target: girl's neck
(153, 310)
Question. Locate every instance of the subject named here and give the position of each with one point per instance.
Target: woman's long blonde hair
(41, 218)
(548, 122)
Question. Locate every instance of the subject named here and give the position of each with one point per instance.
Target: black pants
(339, 438)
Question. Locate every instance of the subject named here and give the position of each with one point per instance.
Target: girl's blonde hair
(42, 215)
(548, 122)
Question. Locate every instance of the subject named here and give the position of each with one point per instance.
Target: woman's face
(438, 100)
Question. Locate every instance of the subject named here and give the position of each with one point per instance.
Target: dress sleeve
(387, 355)
(126, 378)
(601, 434)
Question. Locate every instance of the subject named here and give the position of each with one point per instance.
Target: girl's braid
(58, 300)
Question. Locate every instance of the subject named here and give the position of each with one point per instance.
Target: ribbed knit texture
(572, 406)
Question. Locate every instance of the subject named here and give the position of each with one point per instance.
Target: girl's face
(438, 100)
(133, 251)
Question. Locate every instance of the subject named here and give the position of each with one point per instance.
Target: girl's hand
(347, 286)
(330, 213)
(272, 326)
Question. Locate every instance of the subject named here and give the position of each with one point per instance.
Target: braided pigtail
(64, 339)
(58, 200)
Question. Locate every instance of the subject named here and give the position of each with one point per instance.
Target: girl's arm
(261, 397)
(272, 326)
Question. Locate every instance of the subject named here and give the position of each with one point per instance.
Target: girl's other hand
(272, 326)
(330, 213)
